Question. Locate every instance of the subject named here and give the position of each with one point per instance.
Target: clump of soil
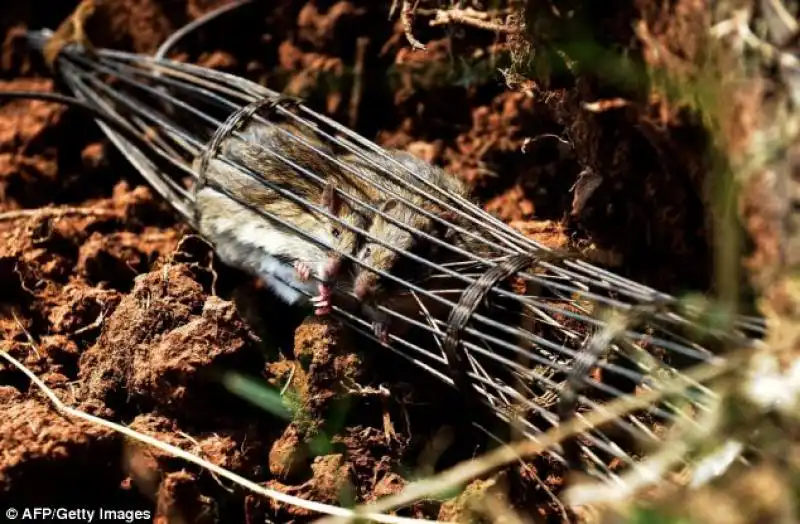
(126, 317)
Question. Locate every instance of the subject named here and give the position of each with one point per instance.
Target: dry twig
(407, 19)
(57, 212)
(473, 18)
(72, 29)
(358, 81)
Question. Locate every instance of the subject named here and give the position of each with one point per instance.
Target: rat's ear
(331, 199)
(448, 233)
(448, 215)
(389, 205)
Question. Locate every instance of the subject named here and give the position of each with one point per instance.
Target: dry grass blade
(407, 18)
(466, 471)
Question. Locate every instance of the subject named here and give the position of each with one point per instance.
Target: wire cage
(535, 335)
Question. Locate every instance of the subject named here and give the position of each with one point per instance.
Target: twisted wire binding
(533, 357)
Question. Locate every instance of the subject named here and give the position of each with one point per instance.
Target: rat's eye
(336, 233)
(367, 251)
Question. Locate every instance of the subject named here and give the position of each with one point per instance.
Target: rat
(285, 260)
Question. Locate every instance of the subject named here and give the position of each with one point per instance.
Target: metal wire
(519, 348)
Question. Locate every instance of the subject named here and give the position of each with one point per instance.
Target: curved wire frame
(566, 337)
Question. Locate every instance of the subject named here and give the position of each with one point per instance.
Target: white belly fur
(251, 243)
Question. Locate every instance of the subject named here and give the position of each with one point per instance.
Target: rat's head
(369, 284)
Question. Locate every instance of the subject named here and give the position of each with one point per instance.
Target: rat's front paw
(322, 302)
(381, 331)
(302, 270)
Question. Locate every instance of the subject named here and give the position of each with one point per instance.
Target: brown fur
(369, 285)
(281, 174)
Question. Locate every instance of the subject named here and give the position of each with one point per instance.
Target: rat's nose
(332, 267)
(363, 285)
(359, 290)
